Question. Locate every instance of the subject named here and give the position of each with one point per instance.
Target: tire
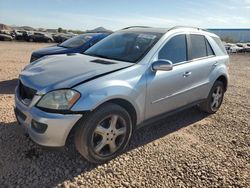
(49, 41)
(98, 139)
(215, 98)
(31, 40)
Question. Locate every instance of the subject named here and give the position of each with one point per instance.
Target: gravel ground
(189, 149)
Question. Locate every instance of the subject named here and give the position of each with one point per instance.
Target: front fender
(98, 94)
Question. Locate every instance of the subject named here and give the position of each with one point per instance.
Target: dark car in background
(61, 37)
(19, 34)
(39, 37)
(5, 37)
(77, 44)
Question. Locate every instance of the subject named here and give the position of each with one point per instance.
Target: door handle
(187, 74)
(214, 65)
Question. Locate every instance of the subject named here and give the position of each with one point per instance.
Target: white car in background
(245, 47)
(248, 47)
(235, 48)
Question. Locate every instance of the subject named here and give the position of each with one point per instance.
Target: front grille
(26, 92)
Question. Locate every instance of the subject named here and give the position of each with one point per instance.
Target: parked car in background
(6, 32)
(227, 47)
(126, 80)
(61, 37)
(20, 34)
(39, 37)
(77, 44)
(244, 47)
(235, 49)
(247, 47)
(5, 37)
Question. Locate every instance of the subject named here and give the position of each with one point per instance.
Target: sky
(117, 14)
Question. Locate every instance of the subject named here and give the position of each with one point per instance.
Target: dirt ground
(189, 149)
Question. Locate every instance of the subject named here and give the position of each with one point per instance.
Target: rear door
(201, 62)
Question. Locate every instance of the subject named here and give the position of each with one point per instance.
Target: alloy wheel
(216, 98)
(109, 135)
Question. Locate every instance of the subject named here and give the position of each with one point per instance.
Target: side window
(199, 48)
(209, 49)
(175, 49)
(218, 41)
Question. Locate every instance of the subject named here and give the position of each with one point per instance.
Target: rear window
(209, 49)
(199, 48)
(218, 41)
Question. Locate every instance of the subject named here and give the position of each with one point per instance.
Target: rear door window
(198, 44)
(175, 49)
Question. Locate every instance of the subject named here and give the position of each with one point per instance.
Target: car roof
(165, 30)
(146, 29)
(94, 34)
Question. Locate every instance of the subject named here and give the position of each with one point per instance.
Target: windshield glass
(76, 41)
(125, 46)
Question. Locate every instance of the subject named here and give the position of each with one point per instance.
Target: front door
(166, 89)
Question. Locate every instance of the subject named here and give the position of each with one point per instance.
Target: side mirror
(162, 65)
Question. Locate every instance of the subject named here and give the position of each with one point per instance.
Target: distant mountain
(26, 28)
(99, 30)
(5, 27)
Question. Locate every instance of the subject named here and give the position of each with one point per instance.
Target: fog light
(38, 127)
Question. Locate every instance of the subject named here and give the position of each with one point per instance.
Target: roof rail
(135, 27)
(190, 27)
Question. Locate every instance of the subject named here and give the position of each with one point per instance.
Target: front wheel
(104, 133)
(215, 98)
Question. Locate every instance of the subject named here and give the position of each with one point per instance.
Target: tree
(60, 30)
(228, 39)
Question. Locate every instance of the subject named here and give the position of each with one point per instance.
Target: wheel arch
(128, 106)
(224, 80)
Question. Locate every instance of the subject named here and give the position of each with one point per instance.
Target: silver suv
(128, 79)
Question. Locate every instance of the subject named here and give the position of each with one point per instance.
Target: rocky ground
(189, 149)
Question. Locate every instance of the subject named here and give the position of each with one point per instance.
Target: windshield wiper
(62, 46)
(106, 57)
(97, 55)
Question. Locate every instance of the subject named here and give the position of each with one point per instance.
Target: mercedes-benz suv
(129, 78)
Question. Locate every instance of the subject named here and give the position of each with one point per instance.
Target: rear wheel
(215, 98)
(104, 133)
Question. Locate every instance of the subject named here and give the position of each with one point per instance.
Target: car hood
(65, 71)
(50, 50)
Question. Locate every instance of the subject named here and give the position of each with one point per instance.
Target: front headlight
(59, 99)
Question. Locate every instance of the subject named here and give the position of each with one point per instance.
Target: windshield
(125, 46)
(76, 41)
